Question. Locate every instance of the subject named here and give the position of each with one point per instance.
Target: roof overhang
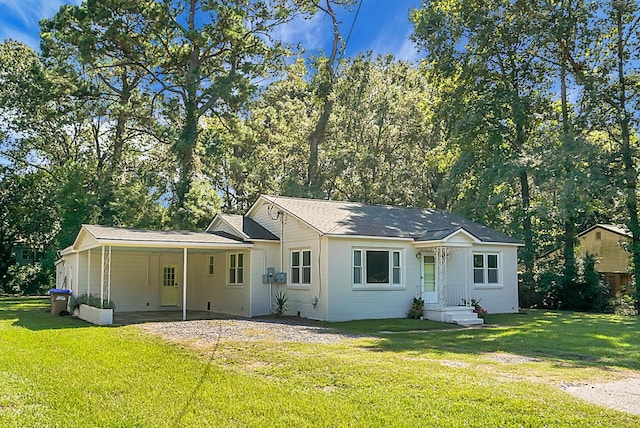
(221, 219)
(87, 241)
(370, 237)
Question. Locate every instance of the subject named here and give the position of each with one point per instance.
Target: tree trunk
(185, 148)
(569, 224)
(316, 138)
(630, 172)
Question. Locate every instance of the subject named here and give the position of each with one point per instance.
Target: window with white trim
(236, 268)
(377, 267)
(210, 265)
(301, 267)
(486, 269)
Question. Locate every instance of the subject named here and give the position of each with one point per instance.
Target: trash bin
(59, 300)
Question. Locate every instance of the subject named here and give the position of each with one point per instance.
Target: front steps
(461, 315)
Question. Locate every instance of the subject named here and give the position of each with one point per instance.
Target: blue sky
(382, 26)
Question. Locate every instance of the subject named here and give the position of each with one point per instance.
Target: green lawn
(61, 371)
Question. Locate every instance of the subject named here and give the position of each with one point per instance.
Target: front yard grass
(60, 371)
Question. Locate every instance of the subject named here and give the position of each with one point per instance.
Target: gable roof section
(243, 227)
(622, 231)
(355, 219)
(95, 235)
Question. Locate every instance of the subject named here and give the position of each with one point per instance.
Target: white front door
(169, 289)
(429, 286)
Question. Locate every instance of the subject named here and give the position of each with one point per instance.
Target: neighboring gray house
(335, 260)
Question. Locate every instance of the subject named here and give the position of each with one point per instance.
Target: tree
(605, 62)
(204, 56)
(488, 52)
(88, 45)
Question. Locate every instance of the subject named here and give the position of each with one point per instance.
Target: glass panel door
(429, 288)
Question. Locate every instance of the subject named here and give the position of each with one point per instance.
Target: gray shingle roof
(249, 227)
(351, 218)
(175, 236)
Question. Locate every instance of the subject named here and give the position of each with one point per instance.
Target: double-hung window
(377, 267)
(301, 267)
(236, 268)
(486, 269)
(210, 265)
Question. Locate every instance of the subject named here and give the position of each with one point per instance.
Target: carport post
(184, 284)
(102, 277)
(88, 273)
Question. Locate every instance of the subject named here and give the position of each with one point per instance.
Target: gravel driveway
(280, 330)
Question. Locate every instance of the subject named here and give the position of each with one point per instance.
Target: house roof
(247, 227)
(104, 235)
(620, 230)
(356, 219)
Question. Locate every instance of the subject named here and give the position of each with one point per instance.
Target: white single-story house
(335, 261)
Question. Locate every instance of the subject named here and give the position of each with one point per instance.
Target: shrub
(91, 300)
(27, 279)
(280, 300)
(417, 306)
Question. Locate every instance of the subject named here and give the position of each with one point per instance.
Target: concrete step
(471, 321)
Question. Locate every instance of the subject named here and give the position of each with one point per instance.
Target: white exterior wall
(503, 297)
(263, 256)
(296, 235)
(223, 297)
(132, 289)
(348, 301)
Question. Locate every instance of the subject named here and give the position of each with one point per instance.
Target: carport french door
(169, 289)
(429, 285)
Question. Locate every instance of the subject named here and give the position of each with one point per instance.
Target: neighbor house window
(301, 267)
(236, 268)
(485, 269)
(210, 264)
(27, 255)
(380, 267)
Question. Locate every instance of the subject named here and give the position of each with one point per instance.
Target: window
(27, 255)
(485, 269)
(381, 267)
(236, 268)
(357, 267)
(598, 236)
(301, 267)
(210, 264)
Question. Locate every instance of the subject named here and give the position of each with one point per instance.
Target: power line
(353, 23)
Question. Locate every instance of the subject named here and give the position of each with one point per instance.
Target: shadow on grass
(34, 313)
(569, 339)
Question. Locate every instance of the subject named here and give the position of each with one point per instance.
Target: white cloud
(30, 39)
(311, 34)
(29, 12)
(19, 18)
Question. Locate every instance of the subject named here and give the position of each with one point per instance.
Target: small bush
(280, 300)
(91, 300)
(624, 304)
(417, 306)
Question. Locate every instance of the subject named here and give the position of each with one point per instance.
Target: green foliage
(417, 306)
(314, 385)
(90, 300)
(280, 300)
(587, 293)
(30, 279)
